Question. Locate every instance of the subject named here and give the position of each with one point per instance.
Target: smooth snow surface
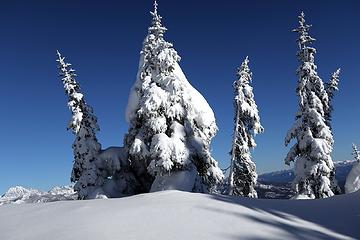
(181, 215)
(182, 180)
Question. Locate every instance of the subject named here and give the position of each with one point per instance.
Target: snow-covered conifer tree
(314, 168)
(84, 126)
(353, 179)
(242, 179)
(355, 153)
(331, 87)
(171, 124)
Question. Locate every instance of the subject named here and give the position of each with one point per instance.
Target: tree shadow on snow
(332, 218)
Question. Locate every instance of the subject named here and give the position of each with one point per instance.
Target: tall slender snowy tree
(314, 168)
(84, 125)
(242, 178)
(171, 124)
(331, 87)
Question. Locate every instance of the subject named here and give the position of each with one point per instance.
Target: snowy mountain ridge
(287, 175)
(19, 195)
(277, 185)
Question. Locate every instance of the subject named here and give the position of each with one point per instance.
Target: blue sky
(103, 39)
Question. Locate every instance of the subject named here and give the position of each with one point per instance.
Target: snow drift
(353, 179)
(182, 215)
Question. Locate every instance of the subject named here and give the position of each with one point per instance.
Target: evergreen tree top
(244, 74)
(68, 74)
(334, 81)
(355, 152)
(83, 116)
(63, 65)
(156, 27)
(303, 30)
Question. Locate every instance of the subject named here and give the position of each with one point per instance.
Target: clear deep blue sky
(102, 40)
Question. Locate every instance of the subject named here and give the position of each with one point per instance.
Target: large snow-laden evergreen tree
(242, 178)
(84, 125)
(353, 179)
(314, 168)
(97, 173)
(171, 124)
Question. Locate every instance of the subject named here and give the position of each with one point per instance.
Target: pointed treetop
(303, 30)
(356, 152)
(60, 58)
(155, 7)
(244, 74)
(333, 84)
(336, 74)
(156, 27)
(65, 68)
(334, 81)
(245, 63)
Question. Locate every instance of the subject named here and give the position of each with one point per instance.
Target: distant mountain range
(285, 176)
(278, 184)
(273, 185)
(19, 195)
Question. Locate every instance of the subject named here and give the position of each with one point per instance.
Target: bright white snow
(353, 179)
(182, 215)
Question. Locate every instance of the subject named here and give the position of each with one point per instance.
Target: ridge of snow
(182, 215)
(353, 179)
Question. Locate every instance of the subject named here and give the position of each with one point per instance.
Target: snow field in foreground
(182, 215)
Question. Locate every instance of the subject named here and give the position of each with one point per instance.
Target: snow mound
(183, 181)
(353, 179)
(182, 215)
(19, 195)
